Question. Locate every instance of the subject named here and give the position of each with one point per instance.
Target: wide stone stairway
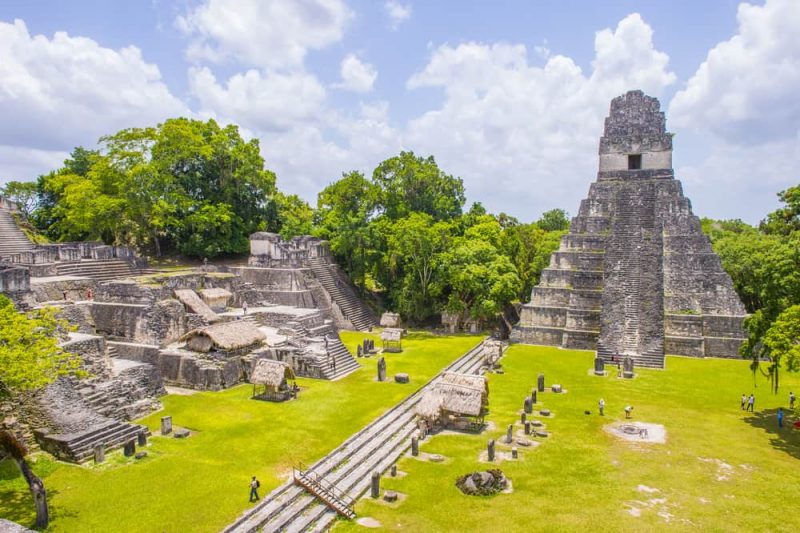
(12, 239)
(349, 467)
(104, 270)
(353, 309)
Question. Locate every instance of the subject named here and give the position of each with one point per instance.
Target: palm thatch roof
(226, 336)
(475, 381)
(391, 334)
(190, 299)
(271, 373)
(463, 394)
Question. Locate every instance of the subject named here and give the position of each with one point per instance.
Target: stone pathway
(348, 467)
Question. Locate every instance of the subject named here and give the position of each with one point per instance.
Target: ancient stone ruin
(202, 328)
(482, 483)
(635, 276)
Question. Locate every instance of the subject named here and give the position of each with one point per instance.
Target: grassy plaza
(721, 469)
(201, 483)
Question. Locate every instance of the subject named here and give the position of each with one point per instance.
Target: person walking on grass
(744, 401)
(601, 405)
(751, 403)
(780, 417)
(792, 399)
(254, 484)
(628, 411)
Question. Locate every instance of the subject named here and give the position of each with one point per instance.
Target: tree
(413, 245)
(17, 451)
(345, 209)
(554, 220)
(155, 189)
(295, 216)
(30, 358)
(23, 193)
(410, 184)
(786, 219)
(782, 342)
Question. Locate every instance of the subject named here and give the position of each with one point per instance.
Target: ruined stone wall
(161, 323)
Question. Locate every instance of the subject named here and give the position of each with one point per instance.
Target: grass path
(720, 470)
(200, 484)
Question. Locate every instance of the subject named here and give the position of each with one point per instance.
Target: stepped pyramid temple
(635, 276)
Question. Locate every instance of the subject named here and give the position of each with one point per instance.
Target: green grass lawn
(721, 469)
(201, 483)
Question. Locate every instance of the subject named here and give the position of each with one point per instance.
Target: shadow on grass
(16, 502)
(786, 438)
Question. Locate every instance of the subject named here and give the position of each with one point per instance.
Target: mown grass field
(721, 469)
(201, 483)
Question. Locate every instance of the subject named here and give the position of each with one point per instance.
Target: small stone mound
(482, 483)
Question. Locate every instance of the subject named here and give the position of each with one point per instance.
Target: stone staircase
(345, 362)
(79, 447)
(629, 246)
(12, 239)
(351, 306)
(104, 270)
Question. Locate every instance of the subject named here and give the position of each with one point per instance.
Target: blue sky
(509, 95)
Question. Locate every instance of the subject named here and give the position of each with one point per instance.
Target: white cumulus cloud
(266, 33)
(398, 12)
(746, 90)
(742, 108)
(59, 92)
(524, 138)
(357, 76)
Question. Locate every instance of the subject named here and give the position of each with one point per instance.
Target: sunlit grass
(201, 483)
(583, 479)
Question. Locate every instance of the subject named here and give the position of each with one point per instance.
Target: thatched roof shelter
(225, 337)
(392, 339)
(458, 394)
(271, 373)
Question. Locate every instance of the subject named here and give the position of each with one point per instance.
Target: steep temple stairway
(343, 295)
(12, 239)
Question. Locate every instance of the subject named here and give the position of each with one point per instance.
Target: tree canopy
(30, 356)
(184, 185)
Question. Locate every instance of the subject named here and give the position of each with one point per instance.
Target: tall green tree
(23, 193)
(782, 342)
(410, 184)
(30, 358)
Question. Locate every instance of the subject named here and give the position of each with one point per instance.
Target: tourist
(254, 484)
(780, 417)
(601, 405)
(751, 403)
(64, 293)
(744, 401)
(628, 410)
(792, 399)
(244, 307)
(89, 295)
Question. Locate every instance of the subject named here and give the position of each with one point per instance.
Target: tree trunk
(38, 492)
(156, 244)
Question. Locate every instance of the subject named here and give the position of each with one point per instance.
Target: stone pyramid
(635, 276)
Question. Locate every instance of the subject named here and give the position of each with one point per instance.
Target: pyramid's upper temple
(635, 276)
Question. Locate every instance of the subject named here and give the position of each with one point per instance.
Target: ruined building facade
(635, 275)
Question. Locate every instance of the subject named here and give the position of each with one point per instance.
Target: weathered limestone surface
(635, 275)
